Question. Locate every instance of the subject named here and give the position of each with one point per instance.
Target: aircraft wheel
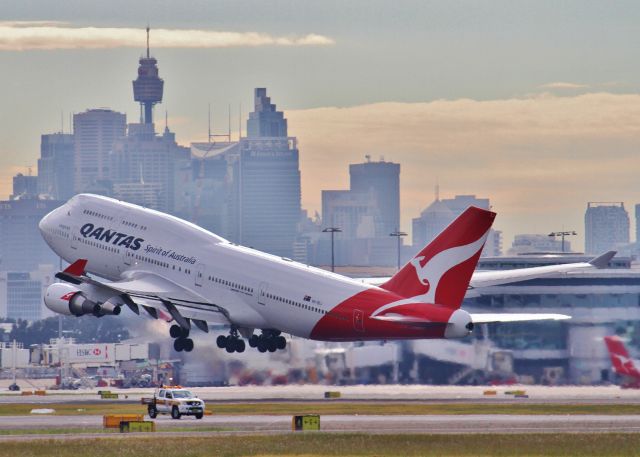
(184, 332)
(240, 346)
(178, 344)
(221, 341)
(187, 345)
(272, 345)
(281, 342)
(262, 346)
(175, 331)
(231, 345)
(253, 341)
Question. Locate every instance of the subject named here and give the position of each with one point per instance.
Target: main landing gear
(270, 340)
(182, 342)
(231, 343)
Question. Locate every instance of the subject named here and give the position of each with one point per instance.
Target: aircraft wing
(152, 292)
(499, 277)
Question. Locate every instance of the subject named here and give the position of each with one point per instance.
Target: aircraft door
(74, 237)
(199, 274)
(358, 320)
(262, 294)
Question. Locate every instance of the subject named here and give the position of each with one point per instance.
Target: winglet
(603, 260)
(76, 268)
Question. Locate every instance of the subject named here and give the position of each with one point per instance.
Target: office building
(21, 245)
(24, 186)
(95, 132)
(537, 243)
(382, 179)
(606, 226)
(264, 179)
(440, 213)
(145, 167)
(56, 166)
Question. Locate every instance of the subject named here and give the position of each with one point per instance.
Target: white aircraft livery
(151, 261)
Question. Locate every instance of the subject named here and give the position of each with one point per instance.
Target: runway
(90, 424)
(378, 424)
(294, 393)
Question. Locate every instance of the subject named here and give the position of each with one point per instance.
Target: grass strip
(326, 444)
(341, 408)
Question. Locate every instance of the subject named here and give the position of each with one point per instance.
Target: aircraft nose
(46, 222)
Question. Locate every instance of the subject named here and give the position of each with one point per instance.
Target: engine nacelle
(109, 308)
(66, 299)
(459, 325)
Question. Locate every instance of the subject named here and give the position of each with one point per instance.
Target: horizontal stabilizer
(489, 318)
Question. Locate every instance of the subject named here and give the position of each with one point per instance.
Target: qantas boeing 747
(163, 265)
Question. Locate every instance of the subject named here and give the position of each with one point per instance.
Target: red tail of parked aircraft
(622, 363)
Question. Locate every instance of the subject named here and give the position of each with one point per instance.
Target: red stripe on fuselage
(351, 319)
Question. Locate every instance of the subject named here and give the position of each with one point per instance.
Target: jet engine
(459, 325)
(66, 299)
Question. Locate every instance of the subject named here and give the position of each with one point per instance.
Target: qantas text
(111, 236)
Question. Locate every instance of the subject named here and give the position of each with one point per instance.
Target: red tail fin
(441, 272)
(622, 363)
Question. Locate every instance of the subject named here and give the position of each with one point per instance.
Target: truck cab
(175, 401)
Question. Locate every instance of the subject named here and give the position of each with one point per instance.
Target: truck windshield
(182, 394)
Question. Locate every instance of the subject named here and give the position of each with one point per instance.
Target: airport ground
(366, 420)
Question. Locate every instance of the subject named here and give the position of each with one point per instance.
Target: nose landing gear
(182, 341)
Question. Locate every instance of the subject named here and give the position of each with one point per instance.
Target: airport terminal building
(600, 302)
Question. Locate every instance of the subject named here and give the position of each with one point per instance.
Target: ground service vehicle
(176, 401)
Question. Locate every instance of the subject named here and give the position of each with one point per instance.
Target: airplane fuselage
(257, 290)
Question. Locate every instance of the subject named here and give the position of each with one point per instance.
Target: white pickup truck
(175, 401)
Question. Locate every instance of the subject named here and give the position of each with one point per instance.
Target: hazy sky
(533, 104)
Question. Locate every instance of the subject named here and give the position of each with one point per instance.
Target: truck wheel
(153, 412)
(199, 415)
(175, 413)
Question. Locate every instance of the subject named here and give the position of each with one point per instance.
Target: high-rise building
(606, 226)
(24, 186)
(383, 180)
(56, 166)
(24, 297)
(95, 132)
(21, 245)
(145, 167)
(441, 213)
(265, 182)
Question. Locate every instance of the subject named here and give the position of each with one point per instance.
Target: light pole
(562, 234)
(398, 234)
(333, 231)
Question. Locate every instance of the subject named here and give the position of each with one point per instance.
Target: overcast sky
(532, 104)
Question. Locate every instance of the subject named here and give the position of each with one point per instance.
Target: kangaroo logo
(421, 271)
(68, 296)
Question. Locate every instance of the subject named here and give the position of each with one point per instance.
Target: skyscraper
(95, 132)
(265, 188)
(383, 180)
(55, 166)
(606, 226)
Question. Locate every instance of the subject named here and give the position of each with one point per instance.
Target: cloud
(564, 85)
(26, 36)
(539, 159)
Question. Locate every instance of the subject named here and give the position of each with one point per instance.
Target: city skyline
(528, 126)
